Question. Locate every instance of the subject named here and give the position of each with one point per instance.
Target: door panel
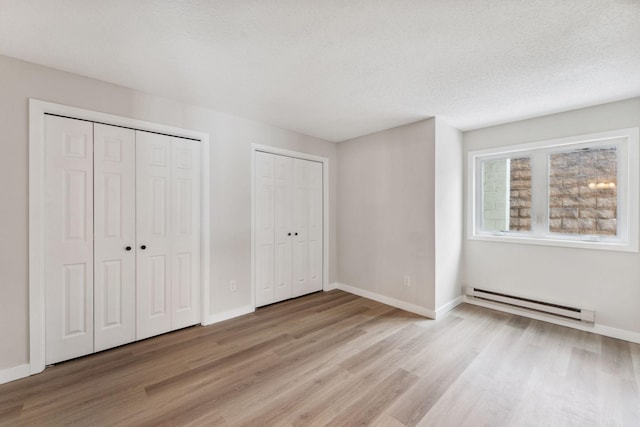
(68, 238)
(74, 300)
(185, 226)
(158, 286)
(307, 213)
(114, 219)
(76, 194)
(153, 233)
(265, 228)
(112, 303)
(300, 226)
(283, 230)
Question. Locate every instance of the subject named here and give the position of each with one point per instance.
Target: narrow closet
(288, 227)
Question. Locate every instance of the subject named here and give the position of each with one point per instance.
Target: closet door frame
(325, 211)
(37, 111)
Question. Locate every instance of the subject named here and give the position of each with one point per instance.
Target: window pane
(494, 195)
(506, 194)
(583, 192)
(520, 194)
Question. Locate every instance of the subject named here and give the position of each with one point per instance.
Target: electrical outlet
(407, 281)
(233, 286)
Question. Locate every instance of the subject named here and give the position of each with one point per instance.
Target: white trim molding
(445, 308)
(607, 331)
(37, 111)
(325, 213)
(331, 286)
(15, 373)
(229, 314)
(402, 305)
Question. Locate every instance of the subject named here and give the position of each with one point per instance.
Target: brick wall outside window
(520, 194)
(583, 192)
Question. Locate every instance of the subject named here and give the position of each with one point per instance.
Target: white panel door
(264, 228)
(68, 238)
(185, 231)
(307, 225)
(114, 235)
(283, 230)
(153, 234)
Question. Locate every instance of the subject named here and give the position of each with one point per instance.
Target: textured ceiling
(337, 69)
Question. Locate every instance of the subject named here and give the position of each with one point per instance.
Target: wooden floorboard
(340, 360)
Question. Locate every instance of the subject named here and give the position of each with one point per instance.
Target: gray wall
(386, 220)
(231, 139)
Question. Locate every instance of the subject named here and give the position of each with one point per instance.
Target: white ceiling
(338, 69)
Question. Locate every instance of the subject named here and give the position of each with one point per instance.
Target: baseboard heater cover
(557, 310)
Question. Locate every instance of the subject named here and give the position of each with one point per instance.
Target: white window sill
(559, 242)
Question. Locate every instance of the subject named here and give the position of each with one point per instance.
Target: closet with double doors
(122, 235)
(288, 227)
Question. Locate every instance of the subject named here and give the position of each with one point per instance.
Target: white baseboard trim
(403, 305)
(15, 373)
(331, 286)
(229, 314)
(607, 331)
(448, 307)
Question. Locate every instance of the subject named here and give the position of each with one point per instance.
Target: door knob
(296, 234)
(143, 247)
(128, 248)
(289, 234)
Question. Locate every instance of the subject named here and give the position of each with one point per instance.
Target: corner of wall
(447, 307)
(229, 314)
(402, 305)
(449, 192)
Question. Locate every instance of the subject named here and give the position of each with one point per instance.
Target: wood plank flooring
(340, 360)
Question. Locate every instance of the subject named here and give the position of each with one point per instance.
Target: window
(579, 192)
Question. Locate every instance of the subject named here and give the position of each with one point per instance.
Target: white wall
(448, 214)
(231, 139)
(608, 282)
(386, 213)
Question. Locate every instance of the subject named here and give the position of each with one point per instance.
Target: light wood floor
(341, 360)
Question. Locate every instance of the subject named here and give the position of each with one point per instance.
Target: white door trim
(37, 111)
(325, 209)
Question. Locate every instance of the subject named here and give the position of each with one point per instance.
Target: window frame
(626, 142)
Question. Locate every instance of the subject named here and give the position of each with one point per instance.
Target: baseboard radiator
(557, 310)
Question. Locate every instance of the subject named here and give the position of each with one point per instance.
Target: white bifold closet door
(168, 233)
(288, 227)
(307, 224)
(114, 236)
(68, 269)
(122, 236)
